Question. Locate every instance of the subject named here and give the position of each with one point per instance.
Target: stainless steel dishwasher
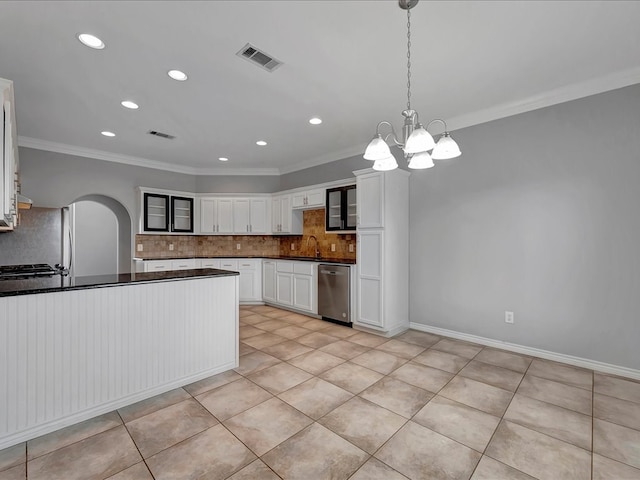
(334, 293)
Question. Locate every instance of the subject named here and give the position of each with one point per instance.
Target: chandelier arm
(393, 132)
(437, 120)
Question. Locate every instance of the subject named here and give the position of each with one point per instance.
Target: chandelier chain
(408, 59)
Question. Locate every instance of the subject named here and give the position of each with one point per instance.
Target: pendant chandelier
(416, 140)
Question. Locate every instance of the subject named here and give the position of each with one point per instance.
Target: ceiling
(343, 61)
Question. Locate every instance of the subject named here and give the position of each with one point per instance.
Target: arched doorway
(101, 232)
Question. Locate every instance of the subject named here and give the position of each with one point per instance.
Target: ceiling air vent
(259, 57)
(160, 134)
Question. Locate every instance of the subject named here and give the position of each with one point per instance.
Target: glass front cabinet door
(340, 210)
(156, 212)
(181, 214)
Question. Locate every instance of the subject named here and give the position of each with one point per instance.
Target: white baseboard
(534, 352)
(383, 333)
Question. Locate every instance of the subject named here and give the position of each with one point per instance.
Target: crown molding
(321, 160)
(564, 94)
(238, 171)
(102, 155)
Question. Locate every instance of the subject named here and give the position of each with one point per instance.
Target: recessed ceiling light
(223, 159)
(177, 75)
(262, 143)
(91, 41)
(108, 134)
(315, 121)
(129, 104)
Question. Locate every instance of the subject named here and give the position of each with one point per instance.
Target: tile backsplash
(313, 225)
(185, 246)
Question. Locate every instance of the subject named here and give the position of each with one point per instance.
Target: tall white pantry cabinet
(383, 251)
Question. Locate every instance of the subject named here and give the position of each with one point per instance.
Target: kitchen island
(72, 348)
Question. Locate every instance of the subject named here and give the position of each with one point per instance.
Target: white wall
(95, 249)
(538, 216)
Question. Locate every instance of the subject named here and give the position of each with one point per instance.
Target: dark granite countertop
(344, 261)
(58, 283)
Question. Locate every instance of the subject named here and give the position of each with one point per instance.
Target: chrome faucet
(316, 242)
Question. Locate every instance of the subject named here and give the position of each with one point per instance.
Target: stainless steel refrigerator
(43, 237)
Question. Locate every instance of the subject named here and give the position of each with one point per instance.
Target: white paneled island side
(72, 349)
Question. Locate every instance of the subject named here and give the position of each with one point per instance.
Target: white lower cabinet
(269, 280)
(284, 283)
(209, 263)
(154, 266)
(370, 248)
(250, 280)
(292, 284)
(250, 277)
(303, 292)
(184, 264)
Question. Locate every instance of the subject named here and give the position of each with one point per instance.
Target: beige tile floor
(312, 400)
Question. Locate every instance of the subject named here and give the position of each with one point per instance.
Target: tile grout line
(316, 421)
(502, 419)
(144, 460)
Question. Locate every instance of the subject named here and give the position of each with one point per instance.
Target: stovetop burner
(30, 270)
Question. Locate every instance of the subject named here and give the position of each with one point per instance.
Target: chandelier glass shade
(385, 164)
(416, 141)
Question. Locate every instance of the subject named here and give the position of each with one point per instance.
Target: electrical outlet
(293, 246)
(351, 247)
(237, 246)
(508, 317)
(171, 247)
(140, 247)
(333, 247)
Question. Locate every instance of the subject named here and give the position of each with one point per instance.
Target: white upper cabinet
(283, 218)
(308, 199)
(259, 215)
(229, 215)
(241, 215)
(250, 215)
(164, 212)
(370, 203)
(216, 215)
